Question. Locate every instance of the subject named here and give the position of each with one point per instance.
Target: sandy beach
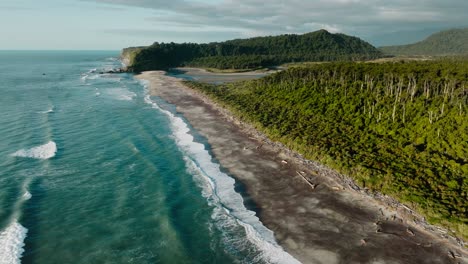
(316, 214)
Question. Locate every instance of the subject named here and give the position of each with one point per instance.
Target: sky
(115, 24)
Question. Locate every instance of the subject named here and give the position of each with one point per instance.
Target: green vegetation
(445, 43)
(128, 55)
(254, 53)
(398, 128)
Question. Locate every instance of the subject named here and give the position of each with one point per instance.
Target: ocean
(94, 170)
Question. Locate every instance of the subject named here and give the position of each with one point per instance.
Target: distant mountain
(401, 37)
(251, 53)
(448, 42)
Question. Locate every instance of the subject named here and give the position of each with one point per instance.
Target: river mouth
(202, 75)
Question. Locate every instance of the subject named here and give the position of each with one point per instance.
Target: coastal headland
(316, 214)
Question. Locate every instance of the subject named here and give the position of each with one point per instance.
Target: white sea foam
(12, 243)
(89, 76)
(218, 188)
(111, 78)
(84, 77)
(27, 195)
(50, 110)
(121, 94)
(93, 77)
(45, 151)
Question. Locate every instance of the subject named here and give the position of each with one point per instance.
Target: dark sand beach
(317, 215)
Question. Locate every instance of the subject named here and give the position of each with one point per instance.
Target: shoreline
(316, 214)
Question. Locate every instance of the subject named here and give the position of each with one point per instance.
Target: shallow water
(93, 170)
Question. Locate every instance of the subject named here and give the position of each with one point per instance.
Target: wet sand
(317, 215)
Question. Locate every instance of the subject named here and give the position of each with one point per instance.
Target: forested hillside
(399, 128)
(255, 52)
(445, 43)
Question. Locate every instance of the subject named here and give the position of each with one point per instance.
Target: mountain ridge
(443, 43)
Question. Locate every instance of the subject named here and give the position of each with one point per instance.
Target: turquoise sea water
(93, 170)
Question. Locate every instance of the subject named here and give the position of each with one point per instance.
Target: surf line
(221, 188)
(13, 236)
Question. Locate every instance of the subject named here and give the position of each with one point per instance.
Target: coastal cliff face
(128, 56)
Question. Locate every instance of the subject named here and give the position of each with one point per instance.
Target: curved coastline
(316, 214)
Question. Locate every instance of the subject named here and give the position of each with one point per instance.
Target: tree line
(255, 52)
(398, 128)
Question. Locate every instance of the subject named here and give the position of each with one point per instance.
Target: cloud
(365, 18)
(15, 8)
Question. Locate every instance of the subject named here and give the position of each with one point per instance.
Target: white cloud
(257, 17)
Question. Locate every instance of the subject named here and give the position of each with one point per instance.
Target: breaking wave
(121, 94)
(229, 213)
(50, 110)
(45, 151)
(12, 243)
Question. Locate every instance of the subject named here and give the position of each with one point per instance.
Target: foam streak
(12, 243)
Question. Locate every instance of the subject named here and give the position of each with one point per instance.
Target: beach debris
(381, 212)
(335, 188)
(409, 231)
(312, 185)
(454, 254)
(363, 242)
(284, 162)
(315, 172)
(407, 208)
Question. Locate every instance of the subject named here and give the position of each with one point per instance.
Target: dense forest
(398, 128)
(251, 53)
(444, 43)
